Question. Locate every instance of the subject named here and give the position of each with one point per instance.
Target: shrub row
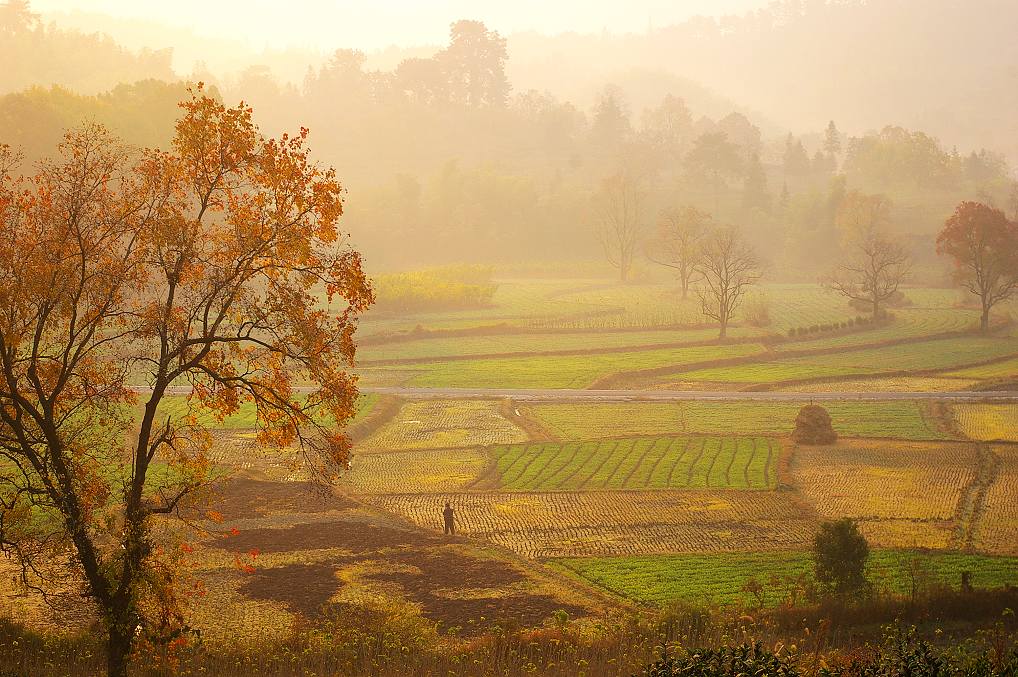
(859, 321)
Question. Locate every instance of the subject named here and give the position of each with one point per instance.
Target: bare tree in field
(619, 208)
(678, 241)
(876, 268)
(727, 267)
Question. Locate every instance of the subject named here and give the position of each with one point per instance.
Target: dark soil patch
(358, 537)
(445, 569)
(245, 497)
(305, 588)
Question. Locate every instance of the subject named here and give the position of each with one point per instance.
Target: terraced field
(919, 356)
(580, 421)
(510, 342)
(879, 384)
(721, 579)
(988, 422)
(907, 323)
(432, 471)
(903, 494)
(438, 424)
(573, 524)
(1002, 369)
(570, 371)
(640, 463)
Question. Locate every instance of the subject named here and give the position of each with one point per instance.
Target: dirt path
(972, 501)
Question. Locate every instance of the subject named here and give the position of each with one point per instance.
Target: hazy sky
(371, 24)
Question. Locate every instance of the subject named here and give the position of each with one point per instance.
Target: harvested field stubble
(903, 494)
(565, 524)
(437, 424)
(996, 529)
(988, 422)
(427, 471)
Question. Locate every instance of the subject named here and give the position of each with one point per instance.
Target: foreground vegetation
(979, 640)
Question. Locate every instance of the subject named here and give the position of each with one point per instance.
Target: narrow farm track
(973, 499)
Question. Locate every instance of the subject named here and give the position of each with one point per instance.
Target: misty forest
(491, 343)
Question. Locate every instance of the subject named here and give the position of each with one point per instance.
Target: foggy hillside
(490, 147)
(949, 67)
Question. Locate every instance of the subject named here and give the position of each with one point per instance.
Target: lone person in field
(450, 523)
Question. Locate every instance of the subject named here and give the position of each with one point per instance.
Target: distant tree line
(440, 154)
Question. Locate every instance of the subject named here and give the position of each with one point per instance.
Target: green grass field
(640, 463)
(919, 356)
(705, 579)
(573, 371)
(438, 348)
(177, 407)
(583, 421)
(1002, 369)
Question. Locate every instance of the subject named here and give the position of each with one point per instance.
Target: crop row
(724, 579)
(988, 422)
(584, 421)
(885, 481)
(641, 463)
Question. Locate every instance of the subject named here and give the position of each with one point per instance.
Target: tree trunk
(876, 310)
(984, 321)
(724, 330)
(118, 649)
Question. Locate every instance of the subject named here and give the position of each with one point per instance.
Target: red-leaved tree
(983, 244)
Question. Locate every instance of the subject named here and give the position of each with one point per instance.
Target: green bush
(840, 552)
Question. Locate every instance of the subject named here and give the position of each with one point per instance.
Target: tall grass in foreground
(966, 627)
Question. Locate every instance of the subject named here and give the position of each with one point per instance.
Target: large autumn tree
(218, 265)
(983, 244)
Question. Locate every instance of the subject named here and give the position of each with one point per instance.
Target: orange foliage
(204, 264)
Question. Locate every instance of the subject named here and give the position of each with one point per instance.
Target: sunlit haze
(380, 23)
(573, 338)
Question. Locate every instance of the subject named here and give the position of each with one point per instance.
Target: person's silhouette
(450, 523)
